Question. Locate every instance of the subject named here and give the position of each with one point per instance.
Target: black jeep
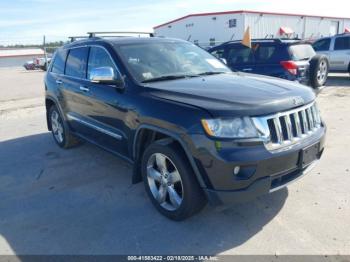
(193, 130)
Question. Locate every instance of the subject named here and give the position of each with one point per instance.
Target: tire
(319, 68)
(189, 198)
(60, 130)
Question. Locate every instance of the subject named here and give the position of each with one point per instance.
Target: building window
(212, 41)
(232, 23)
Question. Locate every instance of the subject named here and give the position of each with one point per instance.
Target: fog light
(236, 170)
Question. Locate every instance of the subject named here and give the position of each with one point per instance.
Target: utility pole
(45, 53)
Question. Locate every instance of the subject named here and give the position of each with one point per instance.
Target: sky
(26, 21)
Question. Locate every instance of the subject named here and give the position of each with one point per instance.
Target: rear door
(76, 96)
(340, 56)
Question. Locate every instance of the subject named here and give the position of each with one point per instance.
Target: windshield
(168, 60)
(301, 52)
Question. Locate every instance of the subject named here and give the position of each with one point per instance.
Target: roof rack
(75, 38)
(121, 33)
(276, 40)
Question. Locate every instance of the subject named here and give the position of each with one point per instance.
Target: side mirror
(105, 75)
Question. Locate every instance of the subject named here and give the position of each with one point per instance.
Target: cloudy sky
(27, 20)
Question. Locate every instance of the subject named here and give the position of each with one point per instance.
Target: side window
(322, 45)
(58, 63)
(218, 53)
(99, 57)
(76, 62)
(240, 55)
(264, 53)
(342, 43)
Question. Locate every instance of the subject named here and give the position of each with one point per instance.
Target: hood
(235, 94)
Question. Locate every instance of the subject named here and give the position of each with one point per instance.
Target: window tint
(76, 62)
(264, 53)
(322, 45)
(239, 54)
(58, 63)
(342, 43)
(98, 57)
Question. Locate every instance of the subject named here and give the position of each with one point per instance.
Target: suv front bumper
(261, 171)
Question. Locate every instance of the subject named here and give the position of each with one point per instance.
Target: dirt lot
(81, 201)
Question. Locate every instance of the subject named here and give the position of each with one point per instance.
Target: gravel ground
(81, 201)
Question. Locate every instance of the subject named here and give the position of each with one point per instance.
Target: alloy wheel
(322, 72)
(57, 126)
(164, 181)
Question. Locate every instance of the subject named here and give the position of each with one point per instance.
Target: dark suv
(192, 129)
(289, 59)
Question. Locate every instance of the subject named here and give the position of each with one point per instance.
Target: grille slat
(288, 127)
(278, 129)
(304, 121)
(297, 124)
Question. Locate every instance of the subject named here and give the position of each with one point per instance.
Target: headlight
(240, 127)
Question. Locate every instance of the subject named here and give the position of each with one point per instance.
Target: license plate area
(309, 154)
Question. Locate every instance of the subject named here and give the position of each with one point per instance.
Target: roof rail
(115, 34)
(75, 38)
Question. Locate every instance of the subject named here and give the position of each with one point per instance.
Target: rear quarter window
(342, 43)
(301, 52)
(267, 53)
(59, 61)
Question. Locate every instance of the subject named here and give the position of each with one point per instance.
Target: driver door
(108, 112)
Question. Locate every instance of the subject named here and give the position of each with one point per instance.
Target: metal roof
(245, 11)
(12, 52)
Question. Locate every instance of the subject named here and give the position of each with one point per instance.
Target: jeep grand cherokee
(193, 130)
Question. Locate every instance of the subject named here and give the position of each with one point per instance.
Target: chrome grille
(286, 128)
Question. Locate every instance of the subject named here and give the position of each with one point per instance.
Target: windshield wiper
(210, 73)
(166, 77)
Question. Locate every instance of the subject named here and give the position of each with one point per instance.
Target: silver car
(337, 49)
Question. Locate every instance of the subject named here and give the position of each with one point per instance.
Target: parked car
(284, 58)
(337, 49)
(193, 130)
(29, 65)
(41, 63)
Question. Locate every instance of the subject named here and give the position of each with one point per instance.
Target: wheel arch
(153, 133)
(49, 102)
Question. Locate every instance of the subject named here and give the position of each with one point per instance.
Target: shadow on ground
(81, 201)
(338, 80)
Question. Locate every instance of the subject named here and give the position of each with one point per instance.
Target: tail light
(290, 66)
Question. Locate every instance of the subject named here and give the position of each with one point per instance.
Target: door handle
(59, 82)
(247, 69)
(84, 89)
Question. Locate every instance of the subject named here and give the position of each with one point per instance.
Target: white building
(213, 28)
